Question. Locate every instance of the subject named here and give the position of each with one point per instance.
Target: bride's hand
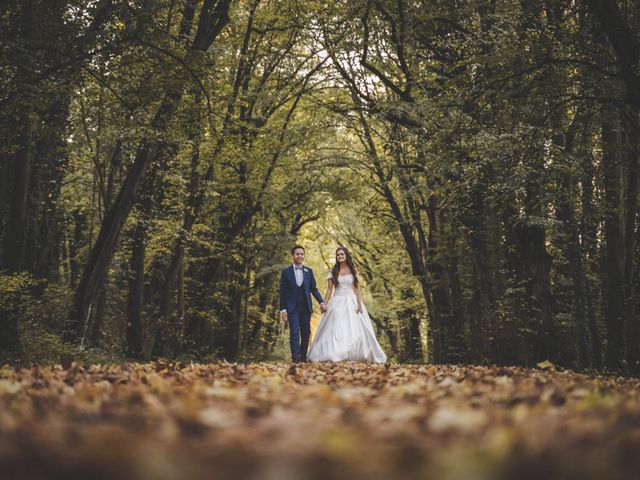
(359, 308)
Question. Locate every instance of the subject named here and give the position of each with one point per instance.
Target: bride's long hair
(335, 271)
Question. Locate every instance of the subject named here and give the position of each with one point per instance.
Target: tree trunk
(213, 17)
(22, 144)
(33, 227)
(135, 299)
(624, 42)
(232, 314)
(16, 229)
(10, 345)
(588, 232)
(105, 244)
(634, 327)
(95, 332)
(531, 245)
(481, 226)
(458, 341)
(579, 281)
(192, 210)
(410, 319)
(631, 211)
(536, 262)
(95, 335)
(6, 172)
(614, 255)
(440, 304)
(566, 215)
(50, 161)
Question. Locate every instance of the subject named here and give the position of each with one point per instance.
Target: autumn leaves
(165, 420)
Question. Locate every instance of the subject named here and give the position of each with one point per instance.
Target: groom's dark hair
(297, 247)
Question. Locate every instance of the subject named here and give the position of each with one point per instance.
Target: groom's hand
(285, 318)
(323, 307)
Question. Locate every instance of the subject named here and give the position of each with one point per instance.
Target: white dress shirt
(298, 272)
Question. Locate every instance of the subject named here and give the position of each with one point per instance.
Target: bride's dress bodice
(345, 286)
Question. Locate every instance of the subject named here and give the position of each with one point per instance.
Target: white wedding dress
(343, 334)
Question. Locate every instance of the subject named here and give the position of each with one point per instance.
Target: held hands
(323, 307)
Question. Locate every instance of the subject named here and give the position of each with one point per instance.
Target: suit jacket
(289, 287)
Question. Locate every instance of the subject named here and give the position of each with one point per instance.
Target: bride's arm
(327, 296)
(359, 297)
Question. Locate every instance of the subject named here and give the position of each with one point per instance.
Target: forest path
(279, 421)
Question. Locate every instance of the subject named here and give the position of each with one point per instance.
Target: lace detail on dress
(345, 286)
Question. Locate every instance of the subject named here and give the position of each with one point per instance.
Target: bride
(345, 331)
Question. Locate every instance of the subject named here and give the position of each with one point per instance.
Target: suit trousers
(299, 333)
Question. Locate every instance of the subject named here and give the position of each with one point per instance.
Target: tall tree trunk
(79, 221)
(6, 172)
(105, 245)
(10, 344)
(232, 308)
(457, 301)
(101, 308)
(481, 226)
(624, 42)
(633, 338)
(440, 318)
(213, 18)
(567, 216)
(95, 331)
(577, 271)
(45, 235)
(135, 297)
(265, 287)
(631, 212)
(588, 233)
(16, 229)
(536, 264)
(196, 196)
(192, 209)
(535, 261)
(614, 228)
(414, 208)
(410, 319)
(22, 143)
(32, 230)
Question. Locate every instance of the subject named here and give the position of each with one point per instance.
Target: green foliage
(457, 149)
(14, 287)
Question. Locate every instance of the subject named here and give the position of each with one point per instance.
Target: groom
(297, 283)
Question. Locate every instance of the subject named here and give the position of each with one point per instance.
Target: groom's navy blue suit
(296, 300)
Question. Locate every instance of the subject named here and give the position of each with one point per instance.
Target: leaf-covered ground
(316, 421)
